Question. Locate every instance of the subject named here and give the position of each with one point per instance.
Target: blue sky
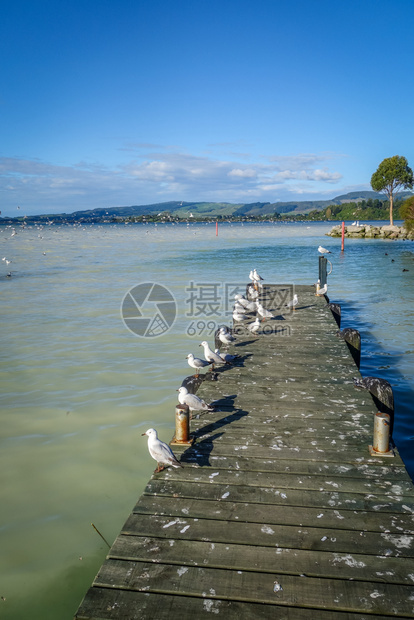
(126, 102)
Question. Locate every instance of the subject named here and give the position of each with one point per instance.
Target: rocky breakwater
(367, 231)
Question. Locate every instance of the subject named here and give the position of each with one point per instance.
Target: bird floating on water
(193, 402)
(160, 451)
(323, 250)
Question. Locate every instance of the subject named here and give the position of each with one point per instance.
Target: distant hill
(197, 210)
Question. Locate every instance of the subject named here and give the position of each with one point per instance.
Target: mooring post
(381, 443)
(343, 237)
(182, 426)
(322, 271)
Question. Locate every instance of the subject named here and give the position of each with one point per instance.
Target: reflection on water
(78, 388)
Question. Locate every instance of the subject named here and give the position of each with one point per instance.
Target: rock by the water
(368, 231)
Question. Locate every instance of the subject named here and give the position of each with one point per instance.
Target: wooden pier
(280, 510)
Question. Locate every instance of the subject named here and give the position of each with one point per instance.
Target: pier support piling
(182, 426)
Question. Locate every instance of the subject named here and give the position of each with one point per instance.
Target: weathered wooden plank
(397, 490)
(294, 424)
(278, 515)
(272, 495)
(295, 466)
(313, 563)
(207, 448)
(273, 589)
(271, 535)
(115, 604)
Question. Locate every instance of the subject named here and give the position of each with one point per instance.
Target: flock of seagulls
(242, 310)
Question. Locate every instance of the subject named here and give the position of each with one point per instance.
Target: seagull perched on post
(322, 291)
(293, 303)
(197, 363)
(193, 402)
(257, 279)
(160, 452)
(323, 250)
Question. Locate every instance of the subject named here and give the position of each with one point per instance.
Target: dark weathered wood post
(352, 338)
(322, 271)
(336, 311)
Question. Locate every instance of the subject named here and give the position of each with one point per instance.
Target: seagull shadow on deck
(199, 453)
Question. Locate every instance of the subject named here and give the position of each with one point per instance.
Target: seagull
(250, 306)
(226, 357)
(257, 280)
(263, 312)
(210, 355)
(322, 291)
(238, 316)
(256, 276)
(251, 275)
(239, 308)
(193, 402)
(160, 451)
(252, 293)
(323, 250)
(225, 336)
(254, 327)
(197, 363)
(293, 303)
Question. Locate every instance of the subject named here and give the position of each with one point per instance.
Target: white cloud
(246, 173)
(40, 187)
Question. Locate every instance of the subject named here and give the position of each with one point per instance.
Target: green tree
(407, 212)
(392, 174)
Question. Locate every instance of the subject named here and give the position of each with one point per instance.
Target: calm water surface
(78, 389)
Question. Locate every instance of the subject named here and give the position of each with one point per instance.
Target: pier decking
(280, 510)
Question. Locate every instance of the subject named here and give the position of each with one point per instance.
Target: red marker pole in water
(343, 237)
(216, 229)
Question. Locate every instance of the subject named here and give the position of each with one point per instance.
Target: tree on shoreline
(407, 212)
(391, 175)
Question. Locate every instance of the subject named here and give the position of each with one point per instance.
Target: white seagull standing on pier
(226, 357)
(193, 402)
(263, 312)
(225, 336)
(160, 452)
(197, 363)
(210, 355)
(293, 303)
(323, 250)
(250, 306)
(254, 327)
